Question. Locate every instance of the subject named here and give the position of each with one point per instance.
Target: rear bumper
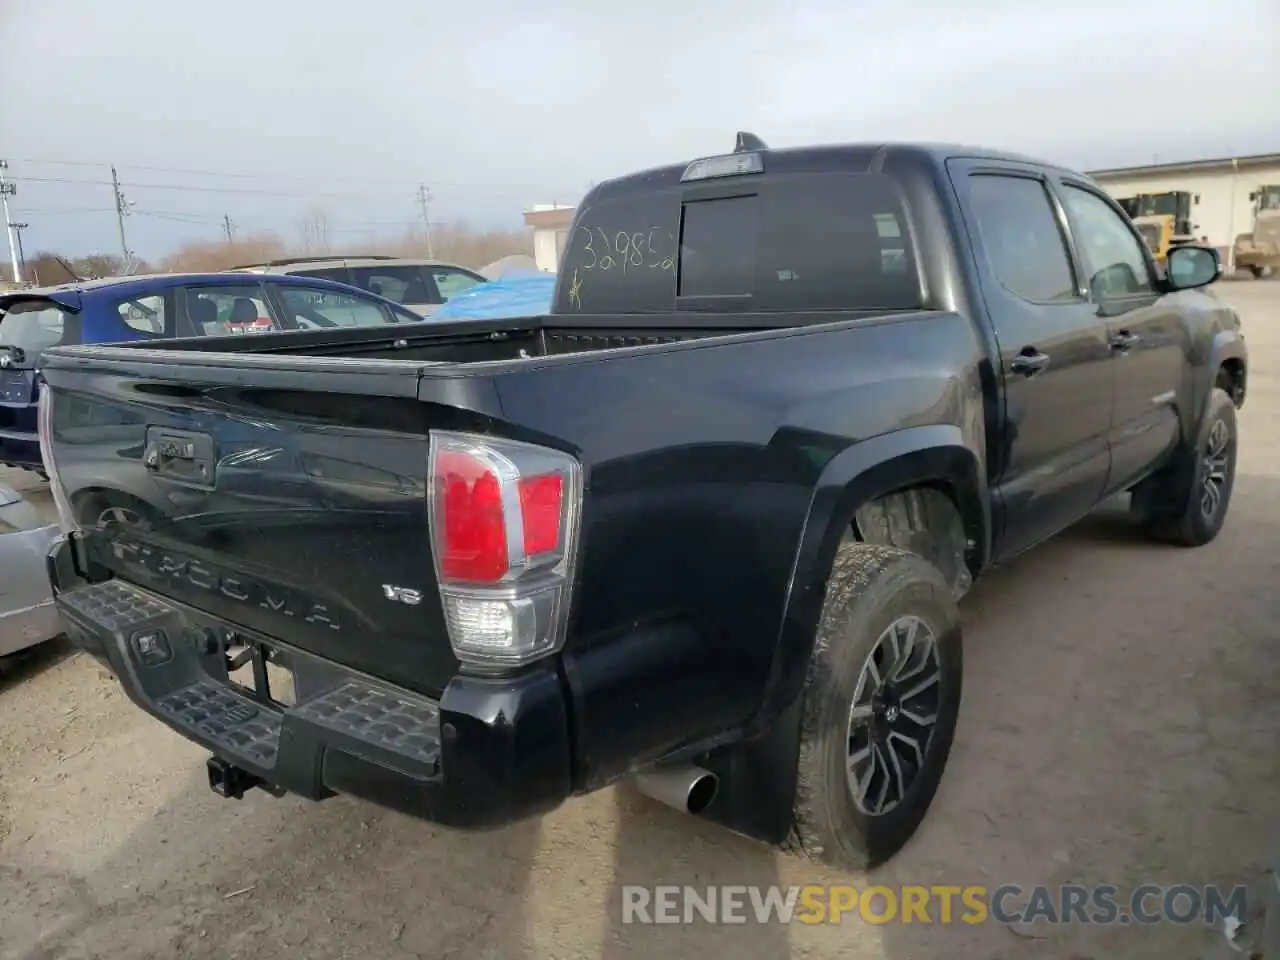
(489, 752)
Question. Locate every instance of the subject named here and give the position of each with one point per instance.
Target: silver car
(416, 283)
(27, 613)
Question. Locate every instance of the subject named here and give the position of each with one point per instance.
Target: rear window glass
(822, 242)
(718, 248)
(31, 327)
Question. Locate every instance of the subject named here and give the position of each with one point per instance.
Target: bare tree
(220, 255)
(314, 229)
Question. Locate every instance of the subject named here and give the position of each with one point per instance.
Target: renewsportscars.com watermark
(1006, 904)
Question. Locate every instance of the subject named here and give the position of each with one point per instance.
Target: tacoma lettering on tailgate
(157, 564)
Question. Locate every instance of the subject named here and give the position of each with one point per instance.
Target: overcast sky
(498, 104)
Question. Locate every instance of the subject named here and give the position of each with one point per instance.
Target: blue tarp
(513, 296)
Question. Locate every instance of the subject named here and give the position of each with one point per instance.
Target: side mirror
(1191, 266)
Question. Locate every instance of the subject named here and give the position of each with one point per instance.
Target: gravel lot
(1121, 725)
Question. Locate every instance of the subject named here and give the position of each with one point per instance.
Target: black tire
(871, 589)
(1173, 506)
(1257, 271)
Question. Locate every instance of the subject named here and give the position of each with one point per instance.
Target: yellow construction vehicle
(1259, 250)
(1157, 234)
(1163, 219)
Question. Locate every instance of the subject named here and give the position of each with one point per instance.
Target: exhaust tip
(686, 788)
(702, 792)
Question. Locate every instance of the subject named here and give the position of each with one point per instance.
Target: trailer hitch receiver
(228, 780)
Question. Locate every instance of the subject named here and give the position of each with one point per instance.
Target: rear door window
(230, 311)
(311, 309)
(1024, 245)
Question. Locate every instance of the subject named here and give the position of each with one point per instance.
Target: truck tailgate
(285, 497)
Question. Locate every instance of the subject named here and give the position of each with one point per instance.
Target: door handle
(1029, 362)
(1124, 341)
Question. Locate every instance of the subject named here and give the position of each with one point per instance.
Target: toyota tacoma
(702, 527)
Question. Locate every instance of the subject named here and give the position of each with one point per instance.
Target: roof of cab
(832, 158)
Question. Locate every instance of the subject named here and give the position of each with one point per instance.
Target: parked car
(27, 612)
(703, 526)
(419, 284)
(154, 307)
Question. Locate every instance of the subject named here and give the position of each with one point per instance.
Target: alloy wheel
(893, 715)
(1214, 469)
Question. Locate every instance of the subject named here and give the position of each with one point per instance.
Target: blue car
(163, 305)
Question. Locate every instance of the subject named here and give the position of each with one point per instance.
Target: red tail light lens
(540, 512)
(474, 542)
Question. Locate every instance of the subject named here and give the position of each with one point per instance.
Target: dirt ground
(1121, 724)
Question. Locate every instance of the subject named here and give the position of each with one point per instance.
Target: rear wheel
(880, 708)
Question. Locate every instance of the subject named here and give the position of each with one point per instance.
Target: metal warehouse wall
(1224, 211)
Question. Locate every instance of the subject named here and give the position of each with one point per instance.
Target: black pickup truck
(703, 527)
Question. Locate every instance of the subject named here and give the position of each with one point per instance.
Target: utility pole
(22, 257)
(122, 211)
(8, 190)
(228, 227)
(424, 199)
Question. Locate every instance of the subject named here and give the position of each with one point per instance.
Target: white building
(1220, 190)
(551, 223)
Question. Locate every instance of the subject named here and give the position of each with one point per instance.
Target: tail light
(44, 426)
(504, 534)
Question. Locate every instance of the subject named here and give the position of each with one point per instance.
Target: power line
(54, 211)
(283, 178)
(179, 217)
